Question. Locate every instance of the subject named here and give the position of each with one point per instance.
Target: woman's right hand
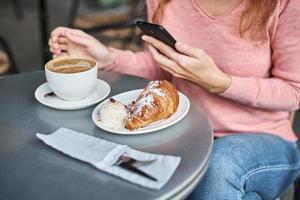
(73, 42)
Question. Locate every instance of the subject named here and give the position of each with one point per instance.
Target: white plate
(101, 91)
(127, 97)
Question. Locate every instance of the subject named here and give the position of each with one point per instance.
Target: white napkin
(103, 154)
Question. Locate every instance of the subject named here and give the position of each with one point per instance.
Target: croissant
(159, 100)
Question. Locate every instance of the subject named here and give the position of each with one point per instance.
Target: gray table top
(31, 170)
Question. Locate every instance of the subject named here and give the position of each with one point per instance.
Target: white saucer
(101, 91)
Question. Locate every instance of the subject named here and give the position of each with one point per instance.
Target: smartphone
(158, 32)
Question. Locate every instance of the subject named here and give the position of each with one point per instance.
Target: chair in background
(7, 59)
(297, 182)
(115, 29)
(107, 20)
(297, 190)
(294, 191)
(292, 117)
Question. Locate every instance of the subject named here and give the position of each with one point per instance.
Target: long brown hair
(254, 18)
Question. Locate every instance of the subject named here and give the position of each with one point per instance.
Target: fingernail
(144, 37)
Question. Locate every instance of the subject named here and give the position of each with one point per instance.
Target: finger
(161, 59)
(55, 55)
(52, 44)
(54, 51)
(57, 32)
(155, 53)
(63, 40)
(63, 54)
(171, 71)
(189, 50)
(63, 47)
(61, 31)
(167, 64)
(166, 50)
(78, 32)
(55, 45)
(78, 39)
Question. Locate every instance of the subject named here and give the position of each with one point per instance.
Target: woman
(239, 59)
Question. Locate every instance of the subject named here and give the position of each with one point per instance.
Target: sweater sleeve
(139, 63)
(281, 91)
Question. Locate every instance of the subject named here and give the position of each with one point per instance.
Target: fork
(127, 162)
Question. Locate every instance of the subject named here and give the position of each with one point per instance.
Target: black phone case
(158, 32)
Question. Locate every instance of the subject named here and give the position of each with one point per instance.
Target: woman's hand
(191, 63)
(72, 42)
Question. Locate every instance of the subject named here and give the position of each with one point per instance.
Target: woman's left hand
(189, 63)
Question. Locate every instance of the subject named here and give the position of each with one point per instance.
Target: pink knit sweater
(265, 77)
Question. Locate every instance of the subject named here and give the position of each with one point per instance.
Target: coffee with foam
(71, 65)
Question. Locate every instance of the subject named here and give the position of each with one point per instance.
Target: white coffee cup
(71, 78)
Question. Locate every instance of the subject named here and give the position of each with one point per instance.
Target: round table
(29, 169)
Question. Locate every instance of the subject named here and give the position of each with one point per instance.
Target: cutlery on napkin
(145, 169)
(126, 162)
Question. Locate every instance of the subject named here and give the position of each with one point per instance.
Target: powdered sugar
(146, 100)
(153, 87)
(154, 83)
(158, 92)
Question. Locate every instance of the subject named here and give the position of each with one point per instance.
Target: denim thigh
(249, 166)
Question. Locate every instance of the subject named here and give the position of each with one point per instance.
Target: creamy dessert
(112, 114)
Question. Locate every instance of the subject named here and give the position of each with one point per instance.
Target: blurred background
(25, 26)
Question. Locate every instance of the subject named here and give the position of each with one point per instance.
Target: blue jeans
(249, 167)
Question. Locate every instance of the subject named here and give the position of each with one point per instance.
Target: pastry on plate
(159, 100)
